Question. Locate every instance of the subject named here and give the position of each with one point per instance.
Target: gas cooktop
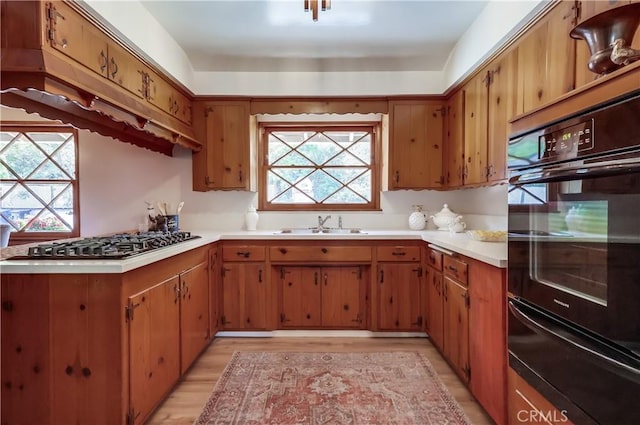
(115, 247)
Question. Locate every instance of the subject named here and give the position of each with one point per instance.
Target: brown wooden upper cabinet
(547, 58)
(71, 34)
(416, 136)
(224, 161)
(162, 95)
(489, 104)
(588, 9)
(454, 146)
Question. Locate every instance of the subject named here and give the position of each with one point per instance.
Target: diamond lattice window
(38, 181)
(317, 168)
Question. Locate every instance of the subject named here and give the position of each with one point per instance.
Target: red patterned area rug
(330, 388)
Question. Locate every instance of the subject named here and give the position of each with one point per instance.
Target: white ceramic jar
(417, 219)
(251, 218)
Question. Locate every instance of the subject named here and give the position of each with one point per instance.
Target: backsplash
(482, 208)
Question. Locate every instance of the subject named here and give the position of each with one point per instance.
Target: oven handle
(586, 171)
(565, 335)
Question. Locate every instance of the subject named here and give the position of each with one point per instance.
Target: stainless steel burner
(117, 246)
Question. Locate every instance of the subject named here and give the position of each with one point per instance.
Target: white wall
(495, 25)
(116, 178)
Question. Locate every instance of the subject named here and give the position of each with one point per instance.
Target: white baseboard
(319, 333)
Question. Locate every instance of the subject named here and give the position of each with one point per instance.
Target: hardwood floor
(184, 404)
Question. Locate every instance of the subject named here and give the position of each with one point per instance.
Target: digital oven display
(572, 139)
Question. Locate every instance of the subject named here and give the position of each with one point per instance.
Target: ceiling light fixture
(313, 6)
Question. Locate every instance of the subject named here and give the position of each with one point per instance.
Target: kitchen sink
(324, 230)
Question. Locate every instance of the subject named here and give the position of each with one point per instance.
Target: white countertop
(493, 253)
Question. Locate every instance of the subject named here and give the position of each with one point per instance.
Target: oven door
(588, 378)
(574, 243)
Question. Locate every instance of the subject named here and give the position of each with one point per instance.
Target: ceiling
(278, 35)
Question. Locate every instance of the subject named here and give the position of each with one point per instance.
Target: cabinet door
(154, 344)
(194, 313)
(214, 288)
(502, 107)
(435, 311)
(475, 129)
(227, 145)
(399, 297)
(256, 296)
(416, 145)
(125, 70)
(488, 338)
(454, 157)
(165, 97)
(546, 58)
(342, 297)
(456, 327)
(244, 296)
(231, 314)
(300, 292)
(76, 38)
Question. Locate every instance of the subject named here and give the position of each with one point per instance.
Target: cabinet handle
(397, 177)
(185, 290)
(315, 278)
(245, 254)
(240, 176)
(445, 291)
(114, 68)
(381, 276)
(105, 61)
(453, 269)
(176, 290)
(283, 250)
(260, 276)
(326, 279)
(149, 81)
(398, 253)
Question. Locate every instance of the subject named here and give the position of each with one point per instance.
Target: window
(319, 167)
(39, 181)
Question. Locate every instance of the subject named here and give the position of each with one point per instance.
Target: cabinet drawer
(319, 253)
(398, 253)
(243, 253)
(434, 259)
(455, 269)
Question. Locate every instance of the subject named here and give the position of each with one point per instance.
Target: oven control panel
(567, 141)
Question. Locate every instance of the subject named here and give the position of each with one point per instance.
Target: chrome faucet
(321, 221)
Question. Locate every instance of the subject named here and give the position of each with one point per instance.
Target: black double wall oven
(574, 262)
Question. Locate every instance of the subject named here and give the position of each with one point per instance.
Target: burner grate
(116, 246)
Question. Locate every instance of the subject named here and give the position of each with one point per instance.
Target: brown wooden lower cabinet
(456, 326)
(488, 337)
(399, 287)
(113, 345)
(77, 347)
(466, 321)
(154, 345)
(330, 297)
(527, 406)
(245, 295)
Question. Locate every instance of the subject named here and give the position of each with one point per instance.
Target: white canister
(251, 218)
(417, 219)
